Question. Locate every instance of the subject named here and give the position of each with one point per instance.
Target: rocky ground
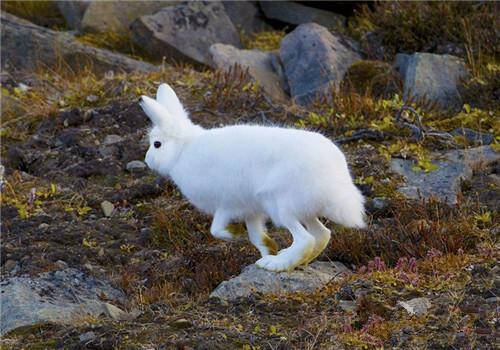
(99, 253)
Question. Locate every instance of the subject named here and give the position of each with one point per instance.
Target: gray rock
(315, 61)
(26, 46)
(116, 16)
(347, 305)
(107, 208)
(254, 279)
(185, 31)
(443, 183)
(86, 337)
(114, 312)
(136, 166)
(57, 296)
(245, 16)
(294, 13)
(416, 306)
(111, 139)
(259, 64)
(432, 77)
(73, 12)
(473, 136)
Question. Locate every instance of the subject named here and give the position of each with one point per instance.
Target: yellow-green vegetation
(266, 40)
(118, 42)
(45, 13)
(31, 197)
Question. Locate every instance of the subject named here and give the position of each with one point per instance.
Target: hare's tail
(347, 209)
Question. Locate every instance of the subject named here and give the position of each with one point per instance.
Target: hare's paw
(286, 260)
(275, 263)
(226, 235)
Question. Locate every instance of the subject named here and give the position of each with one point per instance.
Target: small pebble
(91, 98)
(181, 323)
(110, 139)
(107, 208)
(136, 166)
(85, 337)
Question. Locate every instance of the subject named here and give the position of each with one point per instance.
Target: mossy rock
(376, 78)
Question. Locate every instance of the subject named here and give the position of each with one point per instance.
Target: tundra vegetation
(157, 248)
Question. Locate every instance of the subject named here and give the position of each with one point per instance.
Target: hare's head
(171, 127)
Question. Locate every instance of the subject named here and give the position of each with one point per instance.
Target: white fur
(255, 173)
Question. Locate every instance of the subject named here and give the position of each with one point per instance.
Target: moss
(374, 78)
(44, 13)
(265, 41)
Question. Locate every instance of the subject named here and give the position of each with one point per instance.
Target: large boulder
(245, 16)
(444, 182)
(432, 77)
(62, 296)
(295, 13)
(26, 46)
(259, 65)
(116, 16)
(304, 279)
(185, 32)
(315, 60)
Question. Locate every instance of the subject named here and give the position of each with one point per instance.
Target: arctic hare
(254, 173)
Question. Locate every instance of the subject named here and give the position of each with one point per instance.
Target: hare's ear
(167, 98)
(158, 114)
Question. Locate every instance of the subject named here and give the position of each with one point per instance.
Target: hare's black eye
(157, 144)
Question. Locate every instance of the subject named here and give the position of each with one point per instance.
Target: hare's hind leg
(257, 234)
(321, 235)
(298, 253)
(219, 227)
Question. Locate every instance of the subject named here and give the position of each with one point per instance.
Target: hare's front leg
(256, 227)
(321, 235)
(219, 227)
(291, 257)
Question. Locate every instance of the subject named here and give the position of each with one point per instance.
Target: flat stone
(432, 77)
(443, 183)
(417, 306)
(259, 64)
(315, 61)
(136, 166)
(62, 296)
(185, 32)
(295, 13)
(107, 208)
(254, 279)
